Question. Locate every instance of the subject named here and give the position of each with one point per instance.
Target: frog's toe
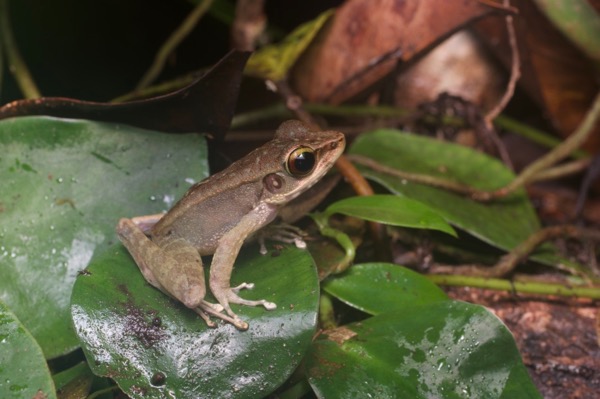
(215, 310)
(233, 298)
(243, 286)
(207, 320)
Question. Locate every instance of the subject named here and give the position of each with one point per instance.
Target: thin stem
(515, 74)
(562, 170)
(515, 70)
(535, 135)
(16, 64)
(516, 286)
(188, 24)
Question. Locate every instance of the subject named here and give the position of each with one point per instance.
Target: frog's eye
(301, 161)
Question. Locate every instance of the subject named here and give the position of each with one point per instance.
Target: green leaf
(383, 287)
(65, 184)
(153, 346)
(23, 370)
(446, 349)
(392, 210)
(503, 223)
(274, 61)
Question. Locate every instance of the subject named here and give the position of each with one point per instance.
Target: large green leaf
(65, 183)
(503, 223)
(154, 347)
(382, 287)
(446, 349)
(23, 370)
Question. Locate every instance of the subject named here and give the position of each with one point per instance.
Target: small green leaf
(445, 349)
(154, 347)
(274, 61)
(393, 210)
(23, 370)
(382, 287)
(65, 184)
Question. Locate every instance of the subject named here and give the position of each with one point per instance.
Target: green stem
(534, 135)
(188, 24)
(516, 286)
(16, 64)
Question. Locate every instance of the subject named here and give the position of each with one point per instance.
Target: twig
(16, 64)
(509, 261)
(188, 24)
(515, 74)
(515, 71)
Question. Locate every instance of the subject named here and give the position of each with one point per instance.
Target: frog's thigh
(175, 268)
(179, 270)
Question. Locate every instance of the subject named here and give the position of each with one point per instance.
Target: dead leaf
(365, 39)
(555, 74)
(204, 106)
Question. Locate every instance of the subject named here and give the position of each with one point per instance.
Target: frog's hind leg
(175, 268)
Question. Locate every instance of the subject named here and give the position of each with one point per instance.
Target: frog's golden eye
(301, 161)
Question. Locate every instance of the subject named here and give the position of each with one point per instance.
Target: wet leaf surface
(65, 184)
(153, 346)
(445, 349)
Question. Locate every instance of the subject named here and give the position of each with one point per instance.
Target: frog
(218, 214)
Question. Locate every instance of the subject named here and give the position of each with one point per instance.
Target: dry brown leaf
(366, 38)
(554, 73)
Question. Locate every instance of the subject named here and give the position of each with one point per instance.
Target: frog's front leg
(224, 258)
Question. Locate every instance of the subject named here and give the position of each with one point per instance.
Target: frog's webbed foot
(227, 296)
(206, 308)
